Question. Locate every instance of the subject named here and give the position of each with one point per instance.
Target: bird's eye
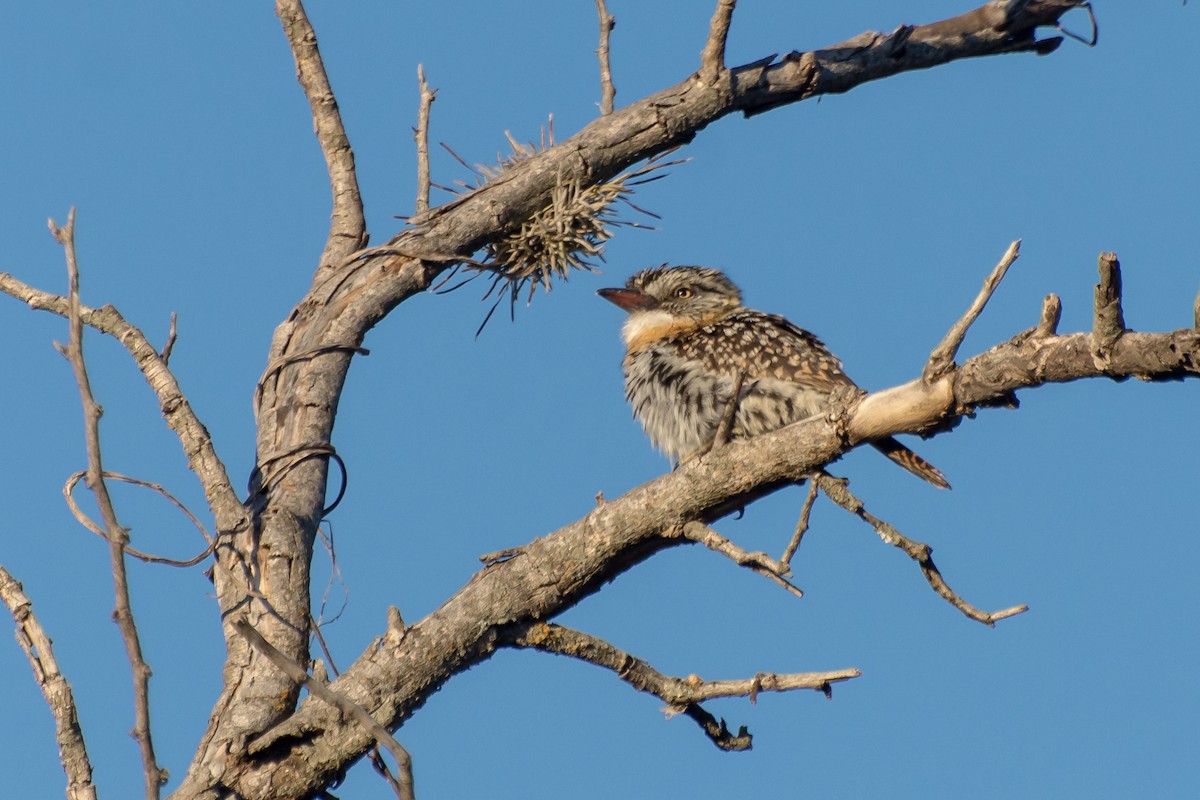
(683, 293)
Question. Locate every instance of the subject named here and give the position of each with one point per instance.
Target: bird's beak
(628, 299)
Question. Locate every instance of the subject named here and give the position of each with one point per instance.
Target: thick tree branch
(348, 226)
(117, 536)
(680, 694)
(39, 649)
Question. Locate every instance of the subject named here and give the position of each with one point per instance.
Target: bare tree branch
(1108, 322)
(318, 689)
(197, 444)
(421, 136)
(348, 226)
(1051, 314)
(941, 360)
(712, 58)
(39, 649)
(169, 346)
(801, 524)
(681, 694)
(608, 92)
(837, 490)
(118, 537)
(759, 562)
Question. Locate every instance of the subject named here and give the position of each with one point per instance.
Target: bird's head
(696, 294)
(664, 301)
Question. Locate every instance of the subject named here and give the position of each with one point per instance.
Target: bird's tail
(911, 462)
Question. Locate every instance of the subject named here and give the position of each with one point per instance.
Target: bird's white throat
(640, 322)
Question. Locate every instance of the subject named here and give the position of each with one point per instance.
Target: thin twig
(421, 137)
(39, 649)
(165, 355)
(680, 694)
(725, 426)
(118, 537)
(608, 92)
(836, 489)
(348, 226)
(1108, 319)
(801, 524)
(757, 562)
(85, 521)
(712, 57)
(941, 360)
(178, 413)
(347, 706)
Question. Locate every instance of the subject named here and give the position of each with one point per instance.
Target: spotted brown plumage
(688, 338)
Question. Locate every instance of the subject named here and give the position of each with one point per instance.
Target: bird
(689, 342)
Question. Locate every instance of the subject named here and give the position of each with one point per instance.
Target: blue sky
(869, 218)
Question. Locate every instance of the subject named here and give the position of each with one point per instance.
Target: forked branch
(837, 490)
(353, 710)
(759, 562)
(682, 695)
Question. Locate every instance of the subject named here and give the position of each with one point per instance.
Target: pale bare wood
(941, 360)
(39, 649)
(421, 137)
(348, 225)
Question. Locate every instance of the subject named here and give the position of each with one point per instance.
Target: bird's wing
(764, 346)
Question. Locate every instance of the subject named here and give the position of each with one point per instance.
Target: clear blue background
(870, 218)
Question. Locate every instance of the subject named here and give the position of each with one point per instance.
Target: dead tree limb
(682, 695)
(421, 137)
(117, 536)
(39, 649)
(608, 92)
(348, 225)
